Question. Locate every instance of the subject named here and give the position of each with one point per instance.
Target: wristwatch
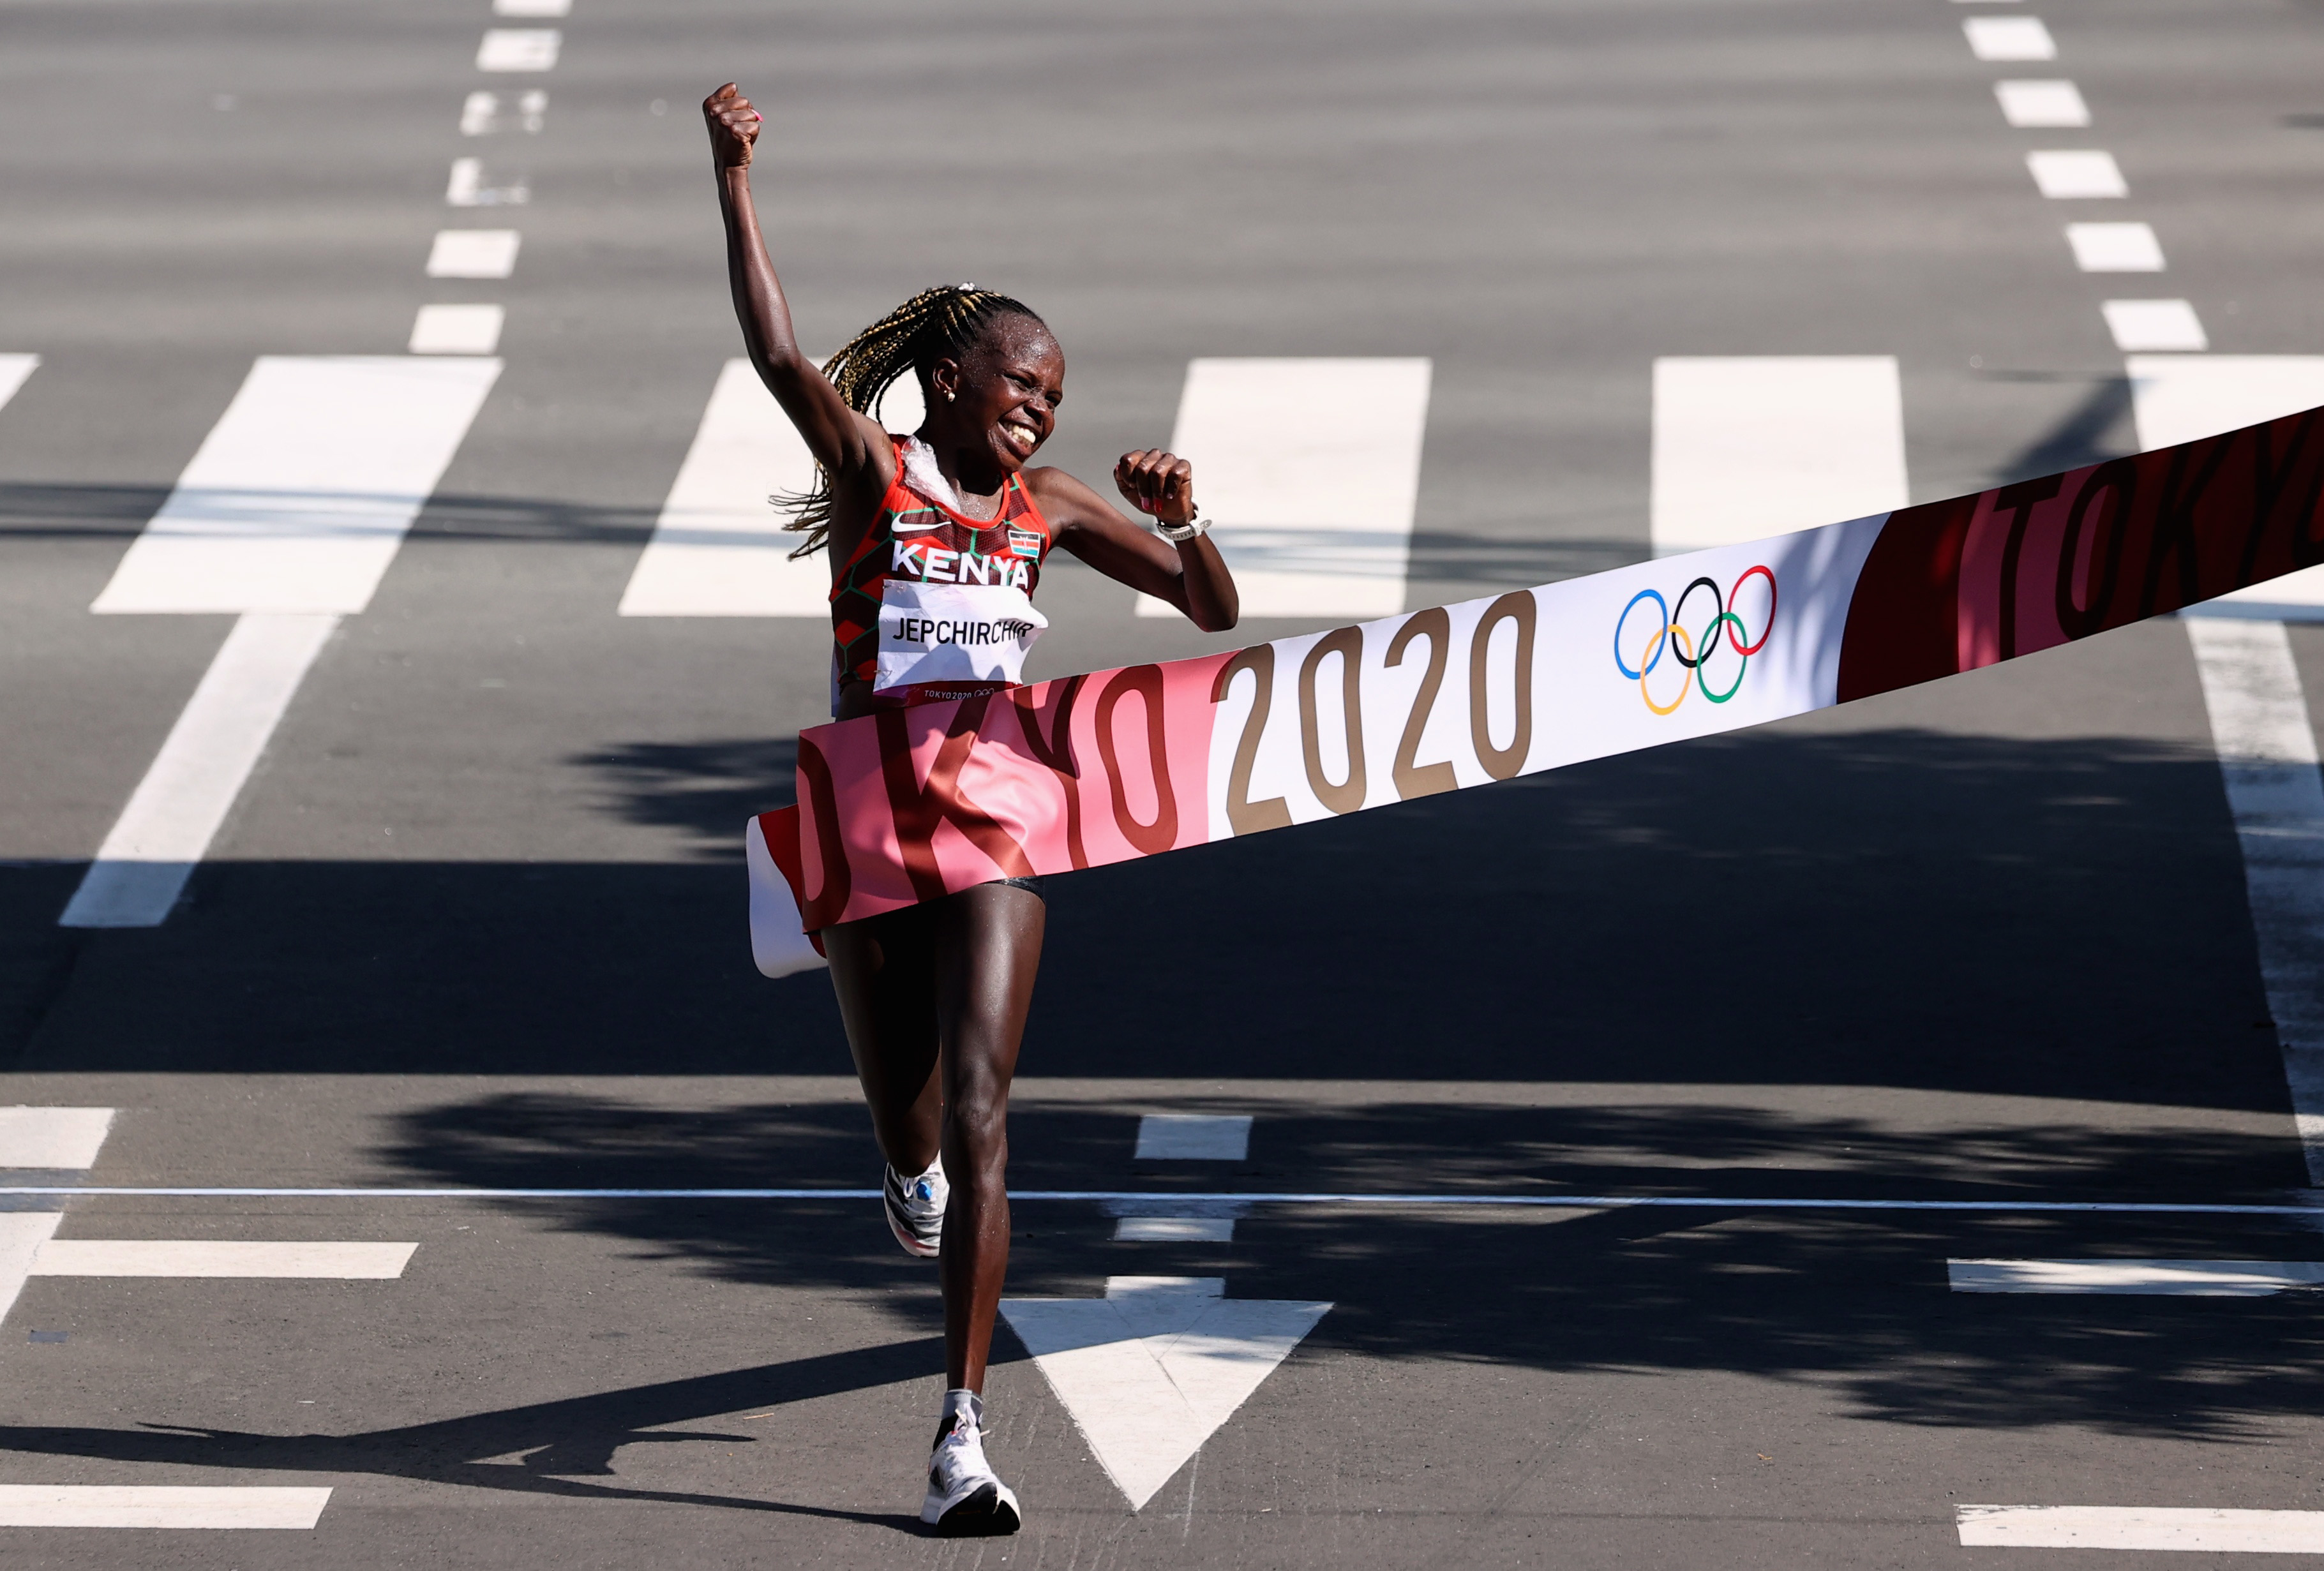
(1179, 534)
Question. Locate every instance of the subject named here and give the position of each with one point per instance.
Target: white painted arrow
(1151, 1370)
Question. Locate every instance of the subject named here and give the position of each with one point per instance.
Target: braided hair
(933, 324)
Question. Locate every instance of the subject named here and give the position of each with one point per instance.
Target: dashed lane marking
(1175, 1230)
(2077, 174)
(2115, 247)
(1748, 446)
(219, 1257)
(160, 1505)
(532, 8)
(473, 254)
(2240, 1279)
(1194, 1137)
(2009, 38)
(2149, 325)
(1311, 468)
(519, 49)
(2042, 105)
(14, 370)
(2194, 1530)
(467, 330)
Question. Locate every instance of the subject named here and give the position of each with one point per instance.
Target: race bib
(934, 634)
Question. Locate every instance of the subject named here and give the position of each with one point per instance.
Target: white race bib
(931, 634)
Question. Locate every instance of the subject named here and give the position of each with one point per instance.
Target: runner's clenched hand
(734, 127)
(1157, 482)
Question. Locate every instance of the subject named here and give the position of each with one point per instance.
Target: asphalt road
(477, 918)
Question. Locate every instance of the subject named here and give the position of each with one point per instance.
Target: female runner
(946, 528)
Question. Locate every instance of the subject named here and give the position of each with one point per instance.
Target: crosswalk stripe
(179, 805)
(14, 370)
(719, 548)
(1747, 447)
(53, 1138)
(301, 494)
(1194, 1137)
(2187, 1529)
(2148, 1278)
(160, 1505)
(220, 1257)
(1311, 469)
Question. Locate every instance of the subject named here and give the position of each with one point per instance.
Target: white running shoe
(916, 1208)
(966, 1499)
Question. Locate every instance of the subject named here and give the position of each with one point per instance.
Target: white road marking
(54, 1138)
(719, 548)
(472, 254)
(21, 1234)
(179, 805)
(1311, 470)
(2077, 174)
(456, 329)
(301, 492)
(1194, 1137)
(2214, 1279)
(14, 370)
(220, 1257)
(532, 8)
(2032, 105)
(460, 190)
(159, 1505)
(2267, 757)
(2154, 324)
(1175, 1230)
(480, 114)
(2180, 398)
(2115, 247)
(2009, 38)
(1749, 446)
(2195, 1530)
(1150, 1371)
(519, 49)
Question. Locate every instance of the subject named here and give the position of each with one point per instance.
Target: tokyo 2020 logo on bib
(1714, 657)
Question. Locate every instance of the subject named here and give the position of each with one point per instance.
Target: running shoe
(966, 1500)
(916, 1208)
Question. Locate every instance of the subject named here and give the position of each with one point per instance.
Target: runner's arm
(845, 443)
(1193, 576)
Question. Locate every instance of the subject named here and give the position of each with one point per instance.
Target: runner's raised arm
(846, 443)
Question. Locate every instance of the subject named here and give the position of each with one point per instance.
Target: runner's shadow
(558, 1444)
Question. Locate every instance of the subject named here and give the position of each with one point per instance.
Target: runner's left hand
(1157, 482)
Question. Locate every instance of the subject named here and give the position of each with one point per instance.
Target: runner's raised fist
(1157, 482)
(734, 127)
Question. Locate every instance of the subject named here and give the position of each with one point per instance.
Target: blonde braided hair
(933, 324)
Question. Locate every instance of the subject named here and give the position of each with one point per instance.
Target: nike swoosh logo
(912, 529)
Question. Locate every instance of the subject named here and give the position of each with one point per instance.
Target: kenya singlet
(934, 603)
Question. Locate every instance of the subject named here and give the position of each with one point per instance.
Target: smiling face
(1006, 389)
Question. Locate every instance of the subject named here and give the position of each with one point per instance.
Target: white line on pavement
(159, 1505)
(2077, 174)
(21, 1234)
(472, 254)
(1194, 1137)
(473, 329)
(2115, 247)
(2267, 758)
(1175, 1230)
(220, 1257)
(719, 548)
(179, 805)
(2046, 104)
(2146, 325)
(532, 8)
(14, 370)
(298, 497)
(1311, 469)
(1149, 1197)
(52, 1137)
(2241, 1279)
(1747, 447)
(519, 49)
(2107, 1527)
(2009, 38)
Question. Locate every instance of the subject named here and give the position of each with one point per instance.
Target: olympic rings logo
(1691, 652)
